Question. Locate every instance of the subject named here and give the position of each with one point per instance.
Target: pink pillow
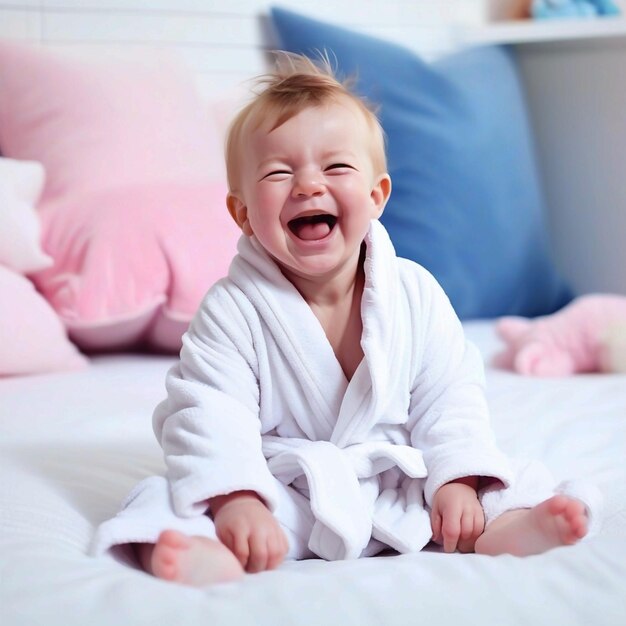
(133, 267)
(104, 118)
(134, 205)
(32, 337)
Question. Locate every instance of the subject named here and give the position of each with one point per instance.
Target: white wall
(577, 99)
(223, 40)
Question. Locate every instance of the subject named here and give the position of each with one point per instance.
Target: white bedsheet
(72, 445)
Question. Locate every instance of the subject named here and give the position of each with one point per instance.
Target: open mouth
(312, 227)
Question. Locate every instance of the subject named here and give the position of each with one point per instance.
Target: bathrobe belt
(344, 517)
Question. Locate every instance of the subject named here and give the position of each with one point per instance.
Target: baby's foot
(558, 521)
(194, 561)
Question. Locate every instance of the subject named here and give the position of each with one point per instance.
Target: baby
(326, 402)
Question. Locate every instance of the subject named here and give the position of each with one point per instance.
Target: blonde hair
(297, 83)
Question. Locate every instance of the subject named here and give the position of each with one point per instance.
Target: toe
(173, 539)
(164, 564)
(168, 572)
(558, 505)
(167, 556)
(580, 528)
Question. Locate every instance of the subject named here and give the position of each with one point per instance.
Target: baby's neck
(335, 295)
(340, 318)
(335, 291)
(336, 302)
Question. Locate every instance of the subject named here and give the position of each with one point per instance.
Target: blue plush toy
(544, 9)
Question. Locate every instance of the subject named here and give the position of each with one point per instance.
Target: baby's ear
(239, 212)
(510, 328)
(380, 193)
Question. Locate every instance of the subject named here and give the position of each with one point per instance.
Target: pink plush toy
(588, 335)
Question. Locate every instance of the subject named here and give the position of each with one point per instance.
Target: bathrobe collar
(289, 317)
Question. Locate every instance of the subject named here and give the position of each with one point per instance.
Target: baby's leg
(535, 514)
(199, 560)
(555, 522)
(170, 547)
(195, 561)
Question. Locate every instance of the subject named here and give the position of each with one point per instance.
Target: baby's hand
(249, 530)
(457, 517)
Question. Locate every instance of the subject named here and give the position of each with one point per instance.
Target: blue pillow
(466, 200)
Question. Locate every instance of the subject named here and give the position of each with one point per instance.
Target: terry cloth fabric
(259, 396)
(148, 511)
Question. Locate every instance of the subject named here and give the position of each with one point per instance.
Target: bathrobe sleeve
(209, 425)
(448, 415)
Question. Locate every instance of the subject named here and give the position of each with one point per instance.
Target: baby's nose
(308, 185)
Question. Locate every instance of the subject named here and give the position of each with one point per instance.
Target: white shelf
(530, 31)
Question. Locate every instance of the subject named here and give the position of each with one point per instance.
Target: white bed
(73, 445)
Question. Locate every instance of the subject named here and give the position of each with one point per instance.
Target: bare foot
(194, 561)
(558, 521)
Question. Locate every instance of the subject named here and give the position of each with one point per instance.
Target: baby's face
(309, 190)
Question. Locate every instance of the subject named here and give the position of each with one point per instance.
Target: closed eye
(276, 173)
(337, 166)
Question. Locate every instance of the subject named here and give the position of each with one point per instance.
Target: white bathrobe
(260, 394)
(259, 401)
